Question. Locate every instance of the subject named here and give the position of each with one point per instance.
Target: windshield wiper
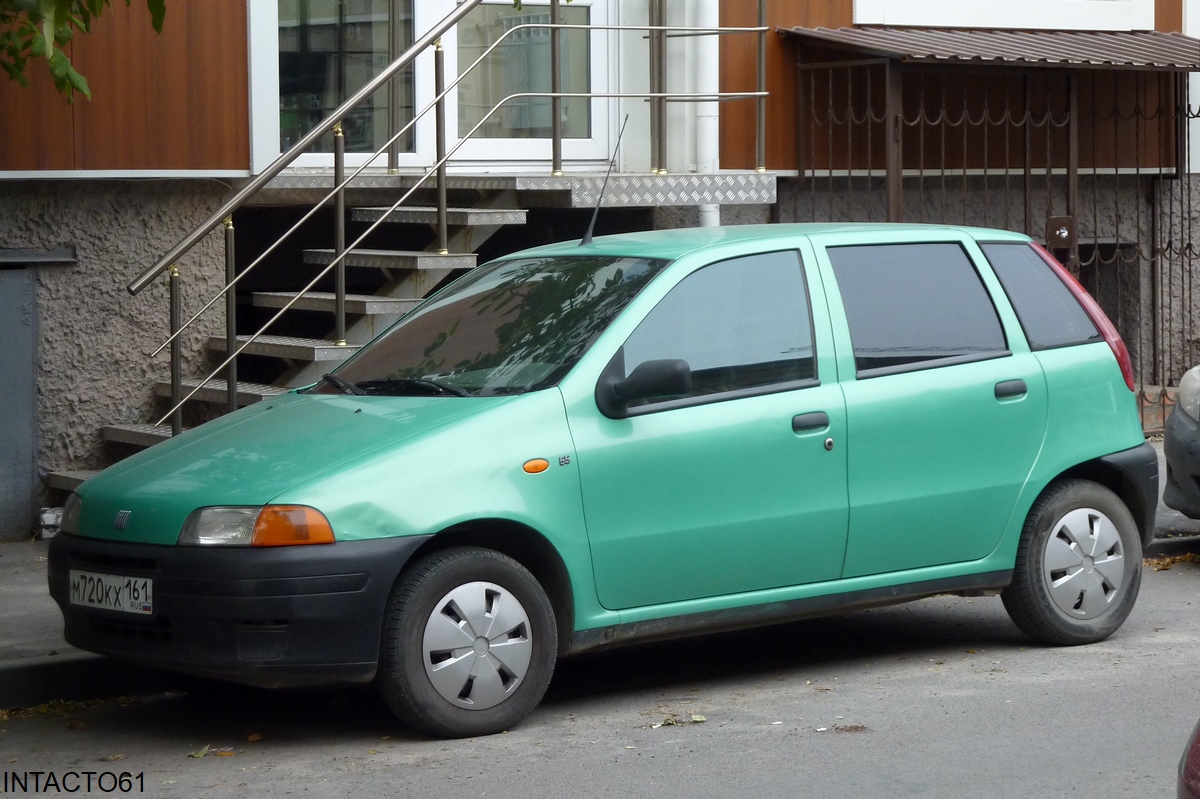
(434, 386)
(345, 385)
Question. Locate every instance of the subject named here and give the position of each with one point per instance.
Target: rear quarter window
(913, 306)
(1049, 314)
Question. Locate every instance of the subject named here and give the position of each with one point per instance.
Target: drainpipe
(708, 120)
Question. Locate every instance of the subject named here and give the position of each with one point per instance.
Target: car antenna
(587, 234)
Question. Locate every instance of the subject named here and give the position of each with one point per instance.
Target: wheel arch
(525, 545)
(1120, 482)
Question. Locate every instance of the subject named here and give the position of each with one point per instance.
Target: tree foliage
(41, 28)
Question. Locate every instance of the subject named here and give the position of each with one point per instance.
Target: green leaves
(41, 28)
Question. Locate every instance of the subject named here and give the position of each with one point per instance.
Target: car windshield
(506, 328)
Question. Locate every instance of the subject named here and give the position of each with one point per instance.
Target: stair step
(297, 349)
(69, 479)
(395, 259)
(215, 391)
(366, 304)
(139, 435)
(470, 217)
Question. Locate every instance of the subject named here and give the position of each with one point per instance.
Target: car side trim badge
(121, 520)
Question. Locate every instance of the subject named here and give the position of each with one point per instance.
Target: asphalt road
(940, 698)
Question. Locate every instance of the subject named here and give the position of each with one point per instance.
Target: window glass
(910, 303)
(1048, 312)
(521, 63)
(739, 324)
(506, 328)
(329, 49)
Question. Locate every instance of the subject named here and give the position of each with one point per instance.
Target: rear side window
(1049, 315)
(914, 305)
(741, 324)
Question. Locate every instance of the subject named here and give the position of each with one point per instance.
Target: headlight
(269, 526)
(70, 517)
(229, 527)
(1189, 394)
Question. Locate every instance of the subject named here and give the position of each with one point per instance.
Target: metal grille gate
(1093, 163)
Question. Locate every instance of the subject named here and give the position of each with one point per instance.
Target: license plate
(112, 592)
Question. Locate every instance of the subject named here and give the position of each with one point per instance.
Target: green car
(649, 435)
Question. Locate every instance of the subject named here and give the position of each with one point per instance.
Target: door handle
(810, 421)
(1011, 388)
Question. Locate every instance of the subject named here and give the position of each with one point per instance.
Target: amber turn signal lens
(289, 525)
(536, 466)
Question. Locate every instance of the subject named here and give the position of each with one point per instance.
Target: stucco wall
(94, 344)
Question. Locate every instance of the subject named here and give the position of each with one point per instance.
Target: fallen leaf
(254, 736)
(849, 728)
(1164, 563)
(200, 753)
(75, 724)
(3, 715)
(372, 752)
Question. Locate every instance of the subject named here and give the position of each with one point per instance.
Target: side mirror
(667, 377)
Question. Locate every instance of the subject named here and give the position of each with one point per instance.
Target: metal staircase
(361, 199)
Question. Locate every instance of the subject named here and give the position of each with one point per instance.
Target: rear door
(945, 405)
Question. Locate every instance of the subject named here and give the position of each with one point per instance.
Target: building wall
(94, 339)
(171, 101)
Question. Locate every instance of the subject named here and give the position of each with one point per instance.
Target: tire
(1078, 566)
(446, 668)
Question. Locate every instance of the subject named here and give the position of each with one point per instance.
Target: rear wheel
(469, 644)
(1078, 567)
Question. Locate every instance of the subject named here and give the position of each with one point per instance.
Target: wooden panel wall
(36, 130)
(1168, 16)
(178, 100)
(739, 72)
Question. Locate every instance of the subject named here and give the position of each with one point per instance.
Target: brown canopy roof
(1143, 50)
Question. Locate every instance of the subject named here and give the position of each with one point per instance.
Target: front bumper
(1181, 446)
(267, 616)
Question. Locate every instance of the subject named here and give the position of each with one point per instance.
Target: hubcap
(477, 645)
(1084, 565)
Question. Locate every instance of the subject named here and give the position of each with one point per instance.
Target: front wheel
(469, 644)
(1078, 567)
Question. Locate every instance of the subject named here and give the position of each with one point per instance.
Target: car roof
(674, 243)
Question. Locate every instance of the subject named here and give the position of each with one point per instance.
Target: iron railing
(656, 34)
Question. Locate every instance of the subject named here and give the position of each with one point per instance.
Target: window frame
(615, 369)
(1017, 311)
(932, 363)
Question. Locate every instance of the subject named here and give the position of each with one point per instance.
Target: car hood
(251, 456)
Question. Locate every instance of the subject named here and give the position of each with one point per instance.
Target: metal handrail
(282, 162)
(707, 97)
(340, 185)
(333, 122)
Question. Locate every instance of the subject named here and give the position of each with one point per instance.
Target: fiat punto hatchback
(650, 435)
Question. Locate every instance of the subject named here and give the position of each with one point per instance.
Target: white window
(307, 56)
(1112, 15)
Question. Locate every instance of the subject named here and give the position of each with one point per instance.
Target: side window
(914, 303)
(1049, 315)
(740, 324)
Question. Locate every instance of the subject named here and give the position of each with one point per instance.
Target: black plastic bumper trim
(1139, 467)
(274, 616)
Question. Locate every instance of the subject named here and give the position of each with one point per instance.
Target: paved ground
(940, 698)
